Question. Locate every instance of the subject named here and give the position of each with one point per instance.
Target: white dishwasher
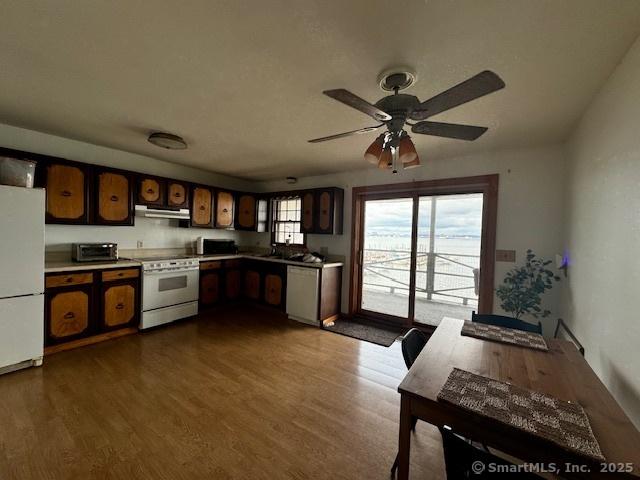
(302, 294)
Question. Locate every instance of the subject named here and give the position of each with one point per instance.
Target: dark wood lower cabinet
(68, 313)
(252, 284)
(119, 304)
(273, 291)
(265, 282)
(220, 281)
(79, 305)
(233, 284)
(209, 288)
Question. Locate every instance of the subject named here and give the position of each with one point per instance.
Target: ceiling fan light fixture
(407, 150)
(167, 140)
(386, 159)
(412, 164)
(372, 155)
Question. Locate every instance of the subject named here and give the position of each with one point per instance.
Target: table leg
(404, 442)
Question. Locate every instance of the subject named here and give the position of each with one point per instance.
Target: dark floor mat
(368, 333)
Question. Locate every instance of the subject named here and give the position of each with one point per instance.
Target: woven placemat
(563, 423)
(504, 335)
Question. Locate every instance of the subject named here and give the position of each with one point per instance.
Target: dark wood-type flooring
(240, 392)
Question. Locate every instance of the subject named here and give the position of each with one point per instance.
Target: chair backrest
(412, 344)
(563, 332)
(508, 322)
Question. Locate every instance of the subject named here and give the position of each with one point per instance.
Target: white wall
(603, 233)
(154, 233)
(529, 203)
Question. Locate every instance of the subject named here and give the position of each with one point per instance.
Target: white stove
(169, 289)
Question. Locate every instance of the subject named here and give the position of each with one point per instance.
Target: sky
(456, 215)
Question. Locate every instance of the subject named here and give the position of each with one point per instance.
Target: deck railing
(452, 275)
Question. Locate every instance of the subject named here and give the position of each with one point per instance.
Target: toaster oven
(94, 252)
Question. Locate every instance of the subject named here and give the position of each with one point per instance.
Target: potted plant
(522, 288)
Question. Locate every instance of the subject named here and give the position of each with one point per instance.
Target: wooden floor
(241, 393)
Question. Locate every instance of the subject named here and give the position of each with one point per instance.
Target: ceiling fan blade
(478, 86)
(358, 103)
(345, 134)
(449, 130)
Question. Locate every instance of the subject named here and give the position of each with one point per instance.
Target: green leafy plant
(522, 288)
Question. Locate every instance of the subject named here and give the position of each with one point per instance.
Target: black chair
(507, 322)
(412, 344)
(567, 335)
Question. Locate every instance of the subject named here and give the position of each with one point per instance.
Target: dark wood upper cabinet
(224, 209)
(322, 211)
(202, 207)
(329, 210)
(177, 194)
(308, 212)
(113, 198)
(151, 191)
(246, 212)
(67, 187)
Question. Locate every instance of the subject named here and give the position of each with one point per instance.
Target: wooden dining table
(561, 372)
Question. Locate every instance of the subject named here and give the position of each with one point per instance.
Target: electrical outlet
(140, 243)
(506, 256)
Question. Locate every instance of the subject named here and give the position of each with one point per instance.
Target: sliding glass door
(387, 257)
(447, 257)
(421, 257)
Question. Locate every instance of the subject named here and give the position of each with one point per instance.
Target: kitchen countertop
(330, 264)
(57, 265)
(51, 266)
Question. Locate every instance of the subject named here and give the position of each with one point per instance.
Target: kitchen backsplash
(153, 233)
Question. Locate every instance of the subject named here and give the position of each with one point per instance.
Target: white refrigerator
(21, 277)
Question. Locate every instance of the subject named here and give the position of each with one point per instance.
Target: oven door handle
(169, 272)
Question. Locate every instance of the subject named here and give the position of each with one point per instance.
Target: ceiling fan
(394, 146)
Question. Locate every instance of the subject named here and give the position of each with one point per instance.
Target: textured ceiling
(241, 81)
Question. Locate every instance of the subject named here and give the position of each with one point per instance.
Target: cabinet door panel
(68, 314)
(177, 195)
(66, 188)
(201, 213)
(325, 211)
(273, 289)
(209, 288)
(232, 284)
(150, 191)
(246, 212)
(308, 201)
(114, 198)
(252, 285)
(224, 210)
(119, 305)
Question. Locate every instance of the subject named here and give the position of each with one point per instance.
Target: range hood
(144, 211)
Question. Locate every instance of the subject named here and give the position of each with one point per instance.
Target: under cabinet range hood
(144, 211)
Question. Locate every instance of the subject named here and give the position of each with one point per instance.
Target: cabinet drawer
(110, 275)
(210, 265)
(67, 279)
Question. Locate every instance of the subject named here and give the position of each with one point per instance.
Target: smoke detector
(167, 140)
